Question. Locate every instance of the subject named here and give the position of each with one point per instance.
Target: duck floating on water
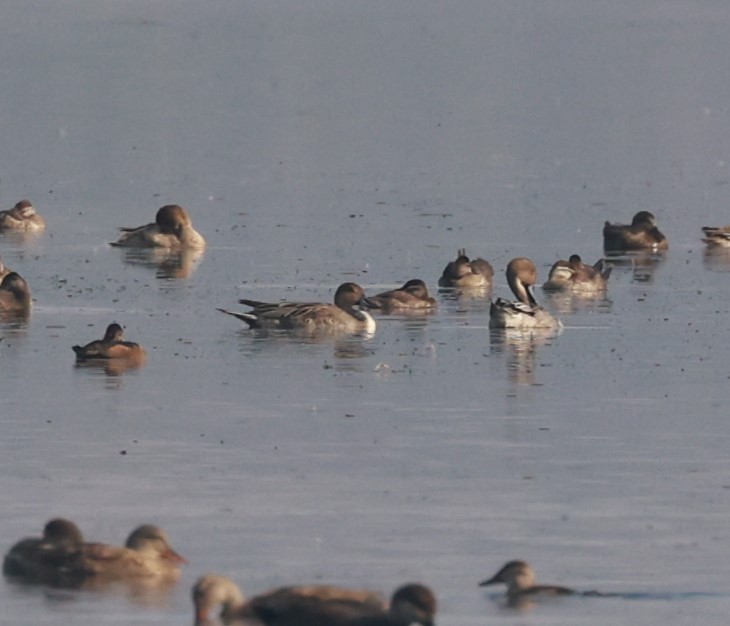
(14, 294)
(22, 217)
(466, 273)
(574, 275)
(525, 313)
(347, 314)
(320, 605)
(112, 346)
(717, 236)
(520, 580)
(412, 296)
(172, 230)
(641, 234)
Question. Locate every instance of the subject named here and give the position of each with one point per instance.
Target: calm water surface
(327, 142)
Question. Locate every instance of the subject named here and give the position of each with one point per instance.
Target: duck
(716, 236)
(49, 559)
(641, 234)
(14, 294)
(22, 217)
(322, 605)
(112, 346)
(412, 296)
(525, 313)
(574, 275)
(172, 230)
(466, 273)
(346, 314)
(146, 555)
(521, 588)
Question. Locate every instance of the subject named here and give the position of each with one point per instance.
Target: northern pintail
(521, 588)
(717, 236)
(112, 346)
(525, 313)
(22, 217)
(412, 296)
(48, 559)
(14, 294)
(466, 273)
(641, 234)
(322, 605)
(172, 229)
(346, 314)
(574, 275)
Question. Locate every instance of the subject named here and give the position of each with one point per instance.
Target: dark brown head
(644, 218)
(416, 287)
(15, 284)
(62, 533)
(24, 208)
(152, 539)
(172, 218)
(413, 603)
(114, 332)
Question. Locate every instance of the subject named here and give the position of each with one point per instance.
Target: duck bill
(368, 303)
(488, 582)
(173, 556)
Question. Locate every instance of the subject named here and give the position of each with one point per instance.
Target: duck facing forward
(22, 217)
(14, 294)
(466, 273)
(574, 275)
(347, 314)
(112, 346)
(412, 296)
(521, 588)
(641, 234)
(316, 604)
(525, 313)
(50, 559)
(172, 229)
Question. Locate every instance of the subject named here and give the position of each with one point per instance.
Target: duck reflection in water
(642, 265)
(169, 264)
(520, 349)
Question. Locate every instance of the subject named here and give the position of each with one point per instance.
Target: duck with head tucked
(22, 217)
(319, 605)
(14, 294)
(172, 230)
(347, 314)
(112, 346)
(525, 313)
(50, 559)
(146, 557)
(574, 275)
(412, 296)
(466, 273)
(521, 588)
(641, 234)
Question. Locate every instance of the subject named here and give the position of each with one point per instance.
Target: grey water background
(319, 142)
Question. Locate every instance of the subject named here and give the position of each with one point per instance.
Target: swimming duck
(49, 559)
(574, 275)
(317, 604)
(641, 234)
(21, 217)
(466, 273)
(112, 346)
(340, 316)
(412, 296)
(525, 313)
(172, 229)
(147, 554)
(520, 580)
(14, 294)
(717, 236)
